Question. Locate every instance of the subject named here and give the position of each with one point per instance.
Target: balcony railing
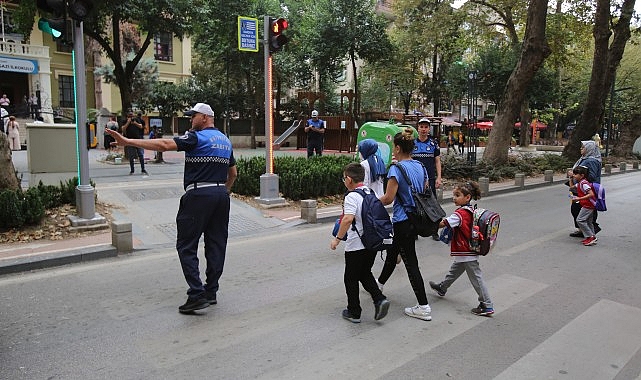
(24, 50)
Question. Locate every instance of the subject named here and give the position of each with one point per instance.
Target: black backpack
(378, 231)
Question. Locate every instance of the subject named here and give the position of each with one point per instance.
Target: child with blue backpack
(358, 259)
(585, 219)
(465, 258)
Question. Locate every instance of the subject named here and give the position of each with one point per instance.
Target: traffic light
(276, 37)
(80, 9)
(57, 24)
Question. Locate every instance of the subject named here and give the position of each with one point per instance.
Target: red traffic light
(276, 37)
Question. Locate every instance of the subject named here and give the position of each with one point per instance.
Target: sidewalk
(150, 204)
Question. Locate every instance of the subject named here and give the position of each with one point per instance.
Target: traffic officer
(210, 172)
(427, 151)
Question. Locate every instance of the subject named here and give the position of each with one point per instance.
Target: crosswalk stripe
(421, 336)
(595, 345)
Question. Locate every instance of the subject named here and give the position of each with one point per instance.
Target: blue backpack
(378, 231)
(599, 193)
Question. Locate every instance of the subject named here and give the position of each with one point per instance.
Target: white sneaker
(380, 286)
(420, 312)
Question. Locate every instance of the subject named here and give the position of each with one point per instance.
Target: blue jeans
(134, 152)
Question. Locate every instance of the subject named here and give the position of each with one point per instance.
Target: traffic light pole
(269, 194)
(85, 198)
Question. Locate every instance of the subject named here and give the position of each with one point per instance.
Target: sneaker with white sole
(347, 315)
(483, 311)
(590, 241)
(380, 309)
(420, 312)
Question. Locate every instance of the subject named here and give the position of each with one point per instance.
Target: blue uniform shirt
(426, 152)
(208, 156)
(315, 136)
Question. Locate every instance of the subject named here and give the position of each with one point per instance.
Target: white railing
(24, 50)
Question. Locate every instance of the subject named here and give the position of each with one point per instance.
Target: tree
(607, 57)
(151, 17)
(534, 51)
(8, 179)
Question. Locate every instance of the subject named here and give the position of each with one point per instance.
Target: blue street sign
(247, 34)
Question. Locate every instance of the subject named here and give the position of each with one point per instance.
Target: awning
(484, 124)
(450, 122)
(539, 125)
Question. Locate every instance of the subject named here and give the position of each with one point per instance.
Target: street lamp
(472, 117)
(392, 83)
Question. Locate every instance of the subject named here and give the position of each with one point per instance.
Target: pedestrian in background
(133, 129)
(112, 124)
(315, 130)
(404, 233)
(374, 166)
(33, 106)
(358, 259)
(5, 102)
(450, 142)
(585, 218)
(210, 172)
(465, 259)
(461, 143)
(591, 159)
(13, 133)
(427, 151)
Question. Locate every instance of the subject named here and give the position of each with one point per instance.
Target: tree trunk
(604, 65)
(534, 51)
(8, 179)
(629, 132)
(526, 118)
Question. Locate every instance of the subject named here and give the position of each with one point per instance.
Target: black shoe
(381, 307)
(131, 173)
(483, 311)
(144, 172)
(435, 237)
(577, 234)
(193, 304)
(211, 297)
(437, 288)
(347, 315)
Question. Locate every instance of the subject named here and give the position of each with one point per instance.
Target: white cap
(314, 113)
(424, 120)
(203, 108)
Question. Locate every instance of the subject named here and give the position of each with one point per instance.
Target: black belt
(197, 185)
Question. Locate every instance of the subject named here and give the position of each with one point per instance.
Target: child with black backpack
(465, 257)
(358, 259)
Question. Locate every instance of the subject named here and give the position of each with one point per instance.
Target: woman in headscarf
(591, 159)
(375, 170)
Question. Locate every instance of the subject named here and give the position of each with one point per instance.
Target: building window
(163, 47)
(65, 91)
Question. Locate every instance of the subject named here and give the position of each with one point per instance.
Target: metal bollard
(484, 184)
(519, 180)
(309, 210)
(121, 236)
(548, 176)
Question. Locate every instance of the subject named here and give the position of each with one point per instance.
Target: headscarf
(591, 151)
(368, 149)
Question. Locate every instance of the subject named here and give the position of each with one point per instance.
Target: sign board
(153, 122)
(247, 34)
(25, 66)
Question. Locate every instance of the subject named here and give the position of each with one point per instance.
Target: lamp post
(391, 89)
(472, 117)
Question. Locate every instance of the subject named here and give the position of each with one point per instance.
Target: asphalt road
(563, 311)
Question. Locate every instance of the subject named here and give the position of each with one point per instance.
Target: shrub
(10, 209)
(32, 207)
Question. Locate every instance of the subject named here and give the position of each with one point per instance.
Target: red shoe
(590, 241)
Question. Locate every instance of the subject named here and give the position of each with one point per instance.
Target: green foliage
(457, 168)
(10, 209)
(32, 207)
(18, 208)
(299, 177)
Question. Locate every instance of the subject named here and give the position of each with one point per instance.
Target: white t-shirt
(353, 205)
(377, 185)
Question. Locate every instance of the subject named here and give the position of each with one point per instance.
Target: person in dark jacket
(591, 159)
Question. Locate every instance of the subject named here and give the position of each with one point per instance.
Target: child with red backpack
(465, 257)
(585, 219)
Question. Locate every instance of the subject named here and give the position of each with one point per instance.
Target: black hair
(580, 170)
(405, 140)
(355, 171)
(470, 188)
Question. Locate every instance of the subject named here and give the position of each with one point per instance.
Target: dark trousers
(203, 211)
(358, 268)
(316, 146)
(575, 208)
(134, 152)
(405, 245)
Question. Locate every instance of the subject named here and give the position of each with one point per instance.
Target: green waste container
(383, 133)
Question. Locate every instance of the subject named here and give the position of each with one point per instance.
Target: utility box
(383, 133)
(52, 153)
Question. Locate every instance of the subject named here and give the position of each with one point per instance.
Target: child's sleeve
(453, 220)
